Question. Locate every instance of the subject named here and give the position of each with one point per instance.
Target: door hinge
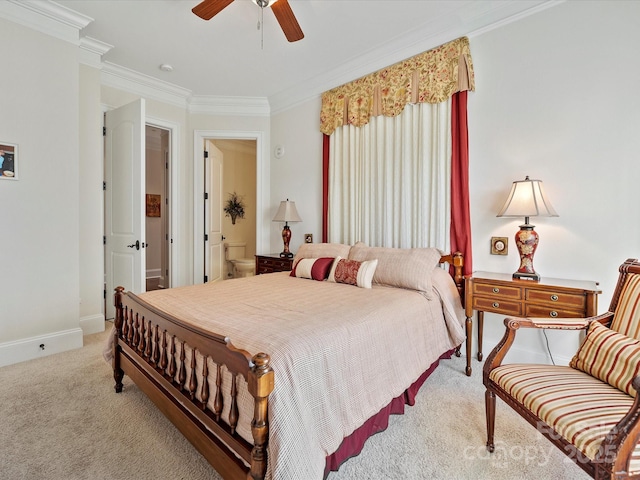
(104, 186)
(104, 239)
(206, 237)
(104, 293)
(206, 196)
(104, 131)
(206, 154)
(206, 279)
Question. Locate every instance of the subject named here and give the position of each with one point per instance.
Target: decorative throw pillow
(401, 267)
(313, 268)
(627, 317)
(610, 356)
(352, 272)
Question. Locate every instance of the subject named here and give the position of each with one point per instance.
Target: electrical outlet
(308, 238)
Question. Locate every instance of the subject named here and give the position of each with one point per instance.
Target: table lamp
(287, 213)
(527, 199)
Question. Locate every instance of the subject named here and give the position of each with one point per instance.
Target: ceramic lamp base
(527, 242)
(286, 237)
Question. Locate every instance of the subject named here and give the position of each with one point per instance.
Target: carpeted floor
(61, 420)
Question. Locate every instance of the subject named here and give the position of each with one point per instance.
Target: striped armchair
(589, 409)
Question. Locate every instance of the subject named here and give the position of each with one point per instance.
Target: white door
(124, 200)
(213, 245)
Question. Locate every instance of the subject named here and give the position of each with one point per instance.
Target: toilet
(239, 265)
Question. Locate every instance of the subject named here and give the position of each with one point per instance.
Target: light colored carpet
(61, 419)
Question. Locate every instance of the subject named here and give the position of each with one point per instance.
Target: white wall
(297, 175)
(91, 224)
(556, 98)
(39, 214)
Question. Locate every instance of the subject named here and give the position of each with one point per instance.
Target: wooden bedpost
(260, 384)
(457, 264)
(118, 374)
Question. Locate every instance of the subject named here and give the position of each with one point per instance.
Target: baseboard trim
(30, 348)
(92, 324)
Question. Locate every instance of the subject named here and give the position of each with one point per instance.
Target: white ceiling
(228, 57)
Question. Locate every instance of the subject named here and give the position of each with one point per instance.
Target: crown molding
(122, 78)
(230, 106)
(92, 50)
(46, 17)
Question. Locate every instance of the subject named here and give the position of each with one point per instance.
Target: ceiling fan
(281, 9)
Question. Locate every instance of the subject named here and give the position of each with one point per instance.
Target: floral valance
(430, 77)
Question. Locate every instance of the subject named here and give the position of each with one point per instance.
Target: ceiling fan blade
(287, 20)
(207, 9)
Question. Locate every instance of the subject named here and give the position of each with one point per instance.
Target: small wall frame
(8, 161)
(153, 205)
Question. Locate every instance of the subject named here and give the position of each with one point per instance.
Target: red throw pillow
(312, 268)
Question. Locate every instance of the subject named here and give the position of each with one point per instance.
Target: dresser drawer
(550, 312)
(558, 300)
(514, 293)
(497, 306)
(271, 264)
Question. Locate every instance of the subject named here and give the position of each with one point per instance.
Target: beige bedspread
(340, 353)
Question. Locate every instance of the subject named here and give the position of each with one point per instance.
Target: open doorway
(230, 171)
(261, 175)
(157, 207)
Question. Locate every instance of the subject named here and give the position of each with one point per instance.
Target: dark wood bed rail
(146, 343)
(145, 346)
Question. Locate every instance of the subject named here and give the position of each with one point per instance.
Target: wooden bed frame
(144, 345)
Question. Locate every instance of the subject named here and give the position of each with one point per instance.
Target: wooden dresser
(550, 298)
(271, 262)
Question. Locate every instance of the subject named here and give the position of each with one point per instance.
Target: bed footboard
(172, 363)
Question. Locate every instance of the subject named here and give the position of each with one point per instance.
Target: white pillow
(352, 272)
(317, 250)
(401, 267)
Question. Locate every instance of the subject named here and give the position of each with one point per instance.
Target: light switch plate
(499, 245)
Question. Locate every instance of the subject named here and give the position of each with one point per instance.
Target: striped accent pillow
(352, 272)
(610, 356)
(312, 268)
(627, 317)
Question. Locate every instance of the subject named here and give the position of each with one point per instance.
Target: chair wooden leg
(490, 407)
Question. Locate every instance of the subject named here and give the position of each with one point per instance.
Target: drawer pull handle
(495, 305)
(554, 298)
(553, 313)
(496, 290)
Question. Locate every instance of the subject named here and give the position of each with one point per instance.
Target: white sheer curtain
(390, 180)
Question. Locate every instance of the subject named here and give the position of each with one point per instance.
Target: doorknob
(135, 245)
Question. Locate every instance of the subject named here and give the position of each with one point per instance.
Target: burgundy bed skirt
(353, 444)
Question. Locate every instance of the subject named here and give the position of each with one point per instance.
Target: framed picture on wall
(8, 161)
(153, 205)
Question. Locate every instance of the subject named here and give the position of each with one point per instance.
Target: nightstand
(271, 262)
(550, 298)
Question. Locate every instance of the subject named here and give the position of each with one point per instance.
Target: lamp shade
(527, 199)
(287, 212)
